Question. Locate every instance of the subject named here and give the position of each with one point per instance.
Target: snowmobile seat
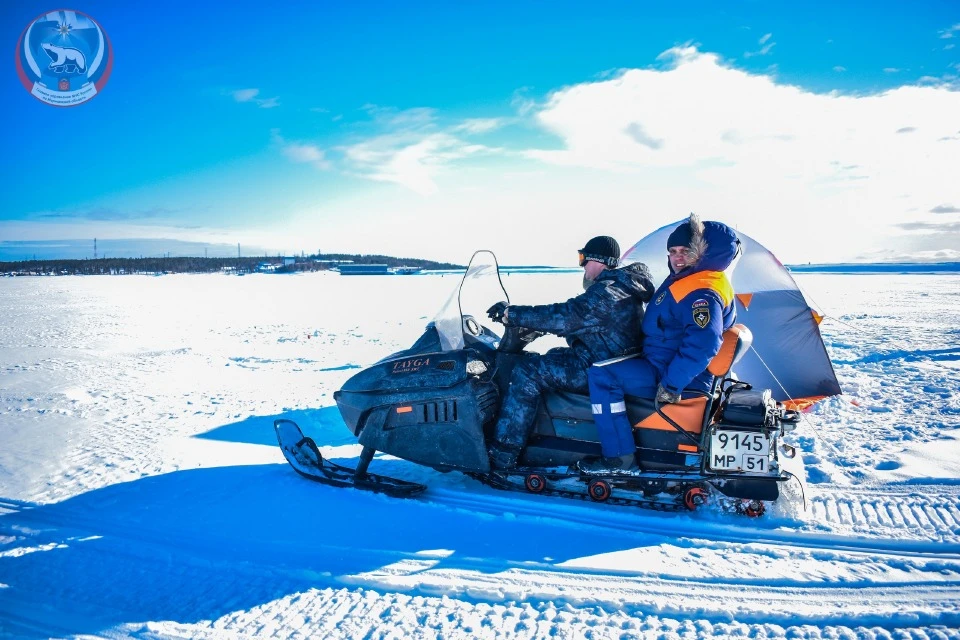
(659, 442)
(570, 415)
(576, 407)
(736, 342)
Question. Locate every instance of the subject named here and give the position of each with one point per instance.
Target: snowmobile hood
(722, 248)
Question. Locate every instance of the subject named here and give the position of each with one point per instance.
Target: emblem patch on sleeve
(701, 313)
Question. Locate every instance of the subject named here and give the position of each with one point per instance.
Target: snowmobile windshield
(465, 312)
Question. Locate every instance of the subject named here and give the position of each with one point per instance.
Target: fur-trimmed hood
(713, 246)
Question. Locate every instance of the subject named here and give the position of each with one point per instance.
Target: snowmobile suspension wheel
(752, 508)
(535, 483)
(694, 497)
(599, 490)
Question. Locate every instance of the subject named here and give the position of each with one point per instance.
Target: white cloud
(410, 159)
(891, 70)
(839, 69)
(947, 47)
(392, 117)
(948, 33)
(766, 46)
(945, 208)
(814, 177)
(245, 95)
(768, 155)
(479, 125)
(412, 148)
(934, 255)
(636, 131)
(521, 101)
(301, 152)
(680, 53)
(250, 95)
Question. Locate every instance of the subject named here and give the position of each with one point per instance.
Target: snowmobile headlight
(476, 367)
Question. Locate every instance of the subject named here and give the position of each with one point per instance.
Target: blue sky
(421, 130)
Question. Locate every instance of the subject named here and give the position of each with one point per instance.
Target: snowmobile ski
(304, 456)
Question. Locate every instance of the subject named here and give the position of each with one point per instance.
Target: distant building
(285, 265)
(405, 271)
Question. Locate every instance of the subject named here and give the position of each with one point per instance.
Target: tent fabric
(788, 355)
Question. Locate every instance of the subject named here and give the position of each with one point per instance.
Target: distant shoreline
(192, 264)
(880, 267)
(252, 264)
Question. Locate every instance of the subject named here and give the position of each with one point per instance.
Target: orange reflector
(816, 316)
(802, 404)
(404, 409)
(745, 299)
(687, 447)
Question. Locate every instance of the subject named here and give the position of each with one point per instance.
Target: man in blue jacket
(601, 323)
(683, 330)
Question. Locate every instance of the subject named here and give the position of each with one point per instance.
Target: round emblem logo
(64, 58)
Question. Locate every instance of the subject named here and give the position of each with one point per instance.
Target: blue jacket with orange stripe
(684, 323)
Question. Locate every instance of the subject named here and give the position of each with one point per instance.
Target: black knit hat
(681, 236)
(602, 249)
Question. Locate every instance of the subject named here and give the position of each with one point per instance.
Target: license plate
(740, 451)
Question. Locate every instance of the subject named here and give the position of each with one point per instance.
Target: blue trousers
(608, 382)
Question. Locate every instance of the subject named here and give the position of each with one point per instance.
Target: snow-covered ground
(143, 494)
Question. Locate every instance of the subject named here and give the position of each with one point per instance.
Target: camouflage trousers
(558, 370)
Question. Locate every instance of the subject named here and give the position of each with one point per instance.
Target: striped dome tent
(788, 356)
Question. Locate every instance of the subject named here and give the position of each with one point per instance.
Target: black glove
(498, 312)
(666, 397)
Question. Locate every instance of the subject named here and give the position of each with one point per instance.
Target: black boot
(502, 456)
(623, 465)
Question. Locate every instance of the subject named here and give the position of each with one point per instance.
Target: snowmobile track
(933, 513)
(942, 541)
(505, 484)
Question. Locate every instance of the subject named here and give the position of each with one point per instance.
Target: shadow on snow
(324, 425)
(195, 545)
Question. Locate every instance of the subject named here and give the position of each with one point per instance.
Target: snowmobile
(436, 404)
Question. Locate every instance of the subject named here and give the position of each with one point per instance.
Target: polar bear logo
(64, 59)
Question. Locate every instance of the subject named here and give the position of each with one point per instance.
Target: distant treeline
(245, 264)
